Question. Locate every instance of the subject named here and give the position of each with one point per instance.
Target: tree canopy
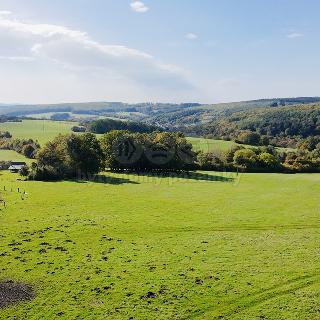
(160, 150)
(68, 156)
(106, 125)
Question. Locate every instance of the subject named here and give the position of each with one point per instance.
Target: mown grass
(10, 155)
(208, 145)
(129, 247)
(41, 130)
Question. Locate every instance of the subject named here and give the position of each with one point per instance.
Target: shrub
(248, 137)
(24, 171)
(245, 159)
(78, 129)
(210, 161)
(29, 151)
(268, 160)
(5, 135)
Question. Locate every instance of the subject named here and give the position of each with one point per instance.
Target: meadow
(46, 130)
(208, 145)
(10, 155)
(207, 246)
(41, 130)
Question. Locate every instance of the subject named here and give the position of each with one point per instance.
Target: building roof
(16, 167)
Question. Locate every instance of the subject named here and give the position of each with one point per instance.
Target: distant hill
(117, 109)
(207, 113)
(165, 115)
(283, 126)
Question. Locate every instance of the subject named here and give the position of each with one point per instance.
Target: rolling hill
(165, 115)
(283, 126)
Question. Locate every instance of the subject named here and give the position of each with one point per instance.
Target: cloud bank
(59, 51)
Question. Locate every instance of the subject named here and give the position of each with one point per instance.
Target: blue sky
(158, 50)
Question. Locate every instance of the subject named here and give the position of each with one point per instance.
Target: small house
(15, 167)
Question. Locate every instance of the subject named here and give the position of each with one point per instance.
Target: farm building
(16, 166)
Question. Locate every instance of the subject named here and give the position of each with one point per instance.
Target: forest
(74, 156)
(106, 125)
(284, 126)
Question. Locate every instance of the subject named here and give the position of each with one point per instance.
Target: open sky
(158, 50)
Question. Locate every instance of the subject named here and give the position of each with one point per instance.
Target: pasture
(208, 145)
(10, 155)
(45, 130)
(208, 246)
(41, 130)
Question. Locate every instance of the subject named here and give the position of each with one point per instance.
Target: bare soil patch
(12, 293)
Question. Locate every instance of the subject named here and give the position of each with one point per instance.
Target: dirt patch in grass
(12, 293)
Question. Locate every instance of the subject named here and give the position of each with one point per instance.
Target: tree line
(76, 156)
(306, 158)
(26, 147)
(102, 126)
(81, 156)
(284, 126)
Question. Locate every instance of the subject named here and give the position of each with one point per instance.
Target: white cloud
(18, 58)
(57, 52)
(294, 35)
(191, 36)
(5, 13)
(139, 6)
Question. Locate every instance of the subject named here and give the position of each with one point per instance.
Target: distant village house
(15, 167)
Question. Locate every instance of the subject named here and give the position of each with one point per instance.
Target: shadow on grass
(99, 178)
(195, 176)
(137, 177)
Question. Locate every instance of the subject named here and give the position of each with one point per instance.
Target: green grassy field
(41, 130)
(10, 155)
(207, 145)
(131, 247)
(45, 130)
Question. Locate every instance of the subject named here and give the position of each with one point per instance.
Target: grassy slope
(10, 155)
(207, 145)
(247, 249)
(45, 130)
(41, 130)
